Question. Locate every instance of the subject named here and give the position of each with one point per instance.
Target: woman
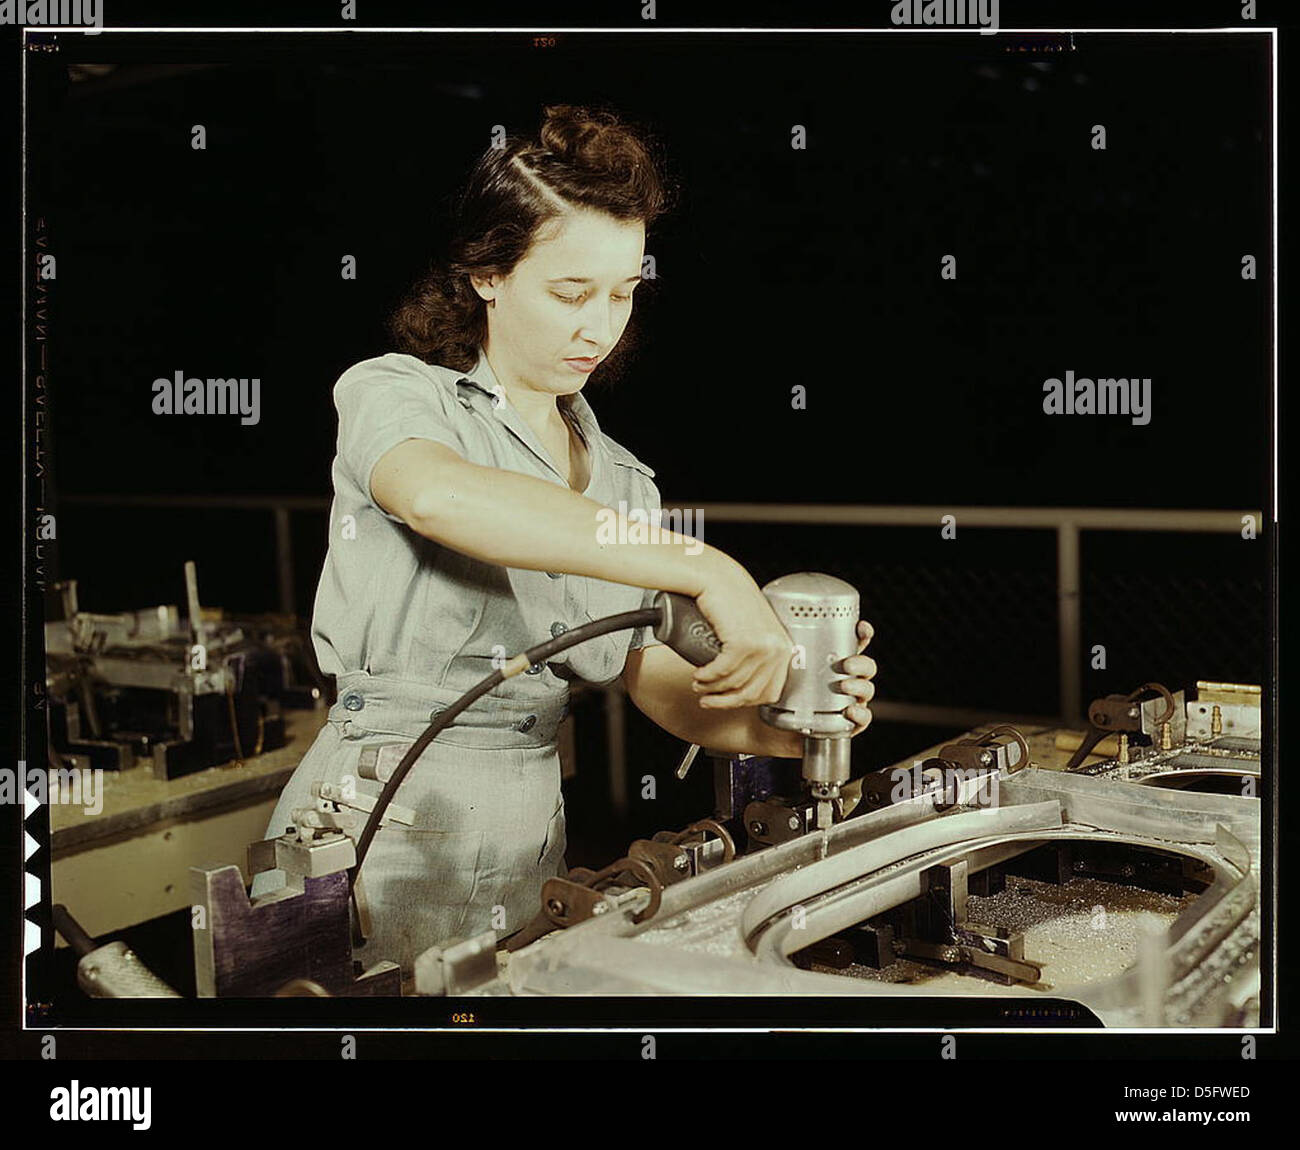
(472, 483)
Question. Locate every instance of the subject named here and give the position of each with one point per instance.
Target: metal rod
(229, 502)
(963, 717)
(192, 599)
(1085, 518)
(71, 929)
(284, 560)
(820, 514)
(1067, 522)
(1069, 622)
(616, 747)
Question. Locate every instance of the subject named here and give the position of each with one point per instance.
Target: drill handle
(683, 627)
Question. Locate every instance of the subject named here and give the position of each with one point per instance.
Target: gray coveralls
(407, 625)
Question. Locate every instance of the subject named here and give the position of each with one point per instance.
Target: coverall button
(536, 669)
(528, 723)
(435, 713)
(353, 702)
(555, 574)
(558, 629)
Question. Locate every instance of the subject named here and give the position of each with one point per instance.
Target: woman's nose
(598, 326)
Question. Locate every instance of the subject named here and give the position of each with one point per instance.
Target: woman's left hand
(862, 668)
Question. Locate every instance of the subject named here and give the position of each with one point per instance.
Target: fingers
(757, 676)
(859, 716)
(746, 686)
(864, 689)
(861, 665)
(748, 697)
(764, 689)
(736, 679)
(722, 669)
(740, 671)
(741, 664)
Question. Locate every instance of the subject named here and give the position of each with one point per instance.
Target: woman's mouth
(583, 364)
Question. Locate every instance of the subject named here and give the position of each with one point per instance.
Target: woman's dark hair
(582, 157)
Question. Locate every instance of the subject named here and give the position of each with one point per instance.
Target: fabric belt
(397, 705)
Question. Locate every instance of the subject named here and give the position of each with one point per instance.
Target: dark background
(818, 267)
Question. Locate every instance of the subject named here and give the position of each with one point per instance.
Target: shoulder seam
(430, 371)
(620, 454)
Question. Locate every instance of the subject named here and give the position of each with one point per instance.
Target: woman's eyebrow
(584, 280)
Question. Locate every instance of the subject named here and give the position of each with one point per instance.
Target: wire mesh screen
(1172, 608)
(972, 622)
(963, 622)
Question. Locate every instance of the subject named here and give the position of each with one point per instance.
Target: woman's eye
(580, 298)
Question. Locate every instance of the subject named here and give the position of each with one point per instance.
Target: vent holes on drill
(820, 611)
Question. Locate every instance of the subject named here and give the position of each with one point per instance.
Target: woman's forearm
(738, 732)
(659, 682)
(517, 520)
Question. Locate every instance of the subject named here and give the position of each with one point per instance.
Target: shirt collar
(482, 378)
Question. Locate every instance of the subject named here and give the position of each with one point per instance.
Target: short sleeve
(386, 400)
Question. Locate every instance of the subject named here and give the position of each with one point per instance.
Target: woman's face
(568, 299)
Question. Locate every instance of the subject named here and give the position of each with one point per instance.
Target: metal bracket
(954, 940)
(459, 967)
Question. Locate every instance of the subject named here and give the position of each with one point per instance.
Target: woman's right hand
(756, 649)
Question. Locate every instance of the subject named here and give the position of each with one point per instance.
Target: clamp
(1118, 713)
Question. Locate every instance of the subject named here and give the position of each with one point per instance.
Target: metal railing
(1067, 523)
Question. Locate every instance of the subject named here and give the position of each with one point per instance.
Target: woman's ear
(485, 286)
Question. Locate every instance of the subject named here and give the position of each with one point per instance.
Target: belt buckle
(378, 762)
